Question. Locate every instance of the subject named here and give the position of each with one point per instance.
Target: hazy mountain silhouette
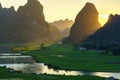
(110, 32)
(6, 18)
(86, 23)
(55, 34)
(63, 26)
(29, 25)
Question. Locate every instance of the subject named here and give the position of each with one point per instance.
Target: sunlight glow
(57, 9)
(103, 18)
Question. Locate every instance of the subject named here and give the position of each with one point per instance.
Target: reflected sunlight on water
(41, 68)
(107, 74)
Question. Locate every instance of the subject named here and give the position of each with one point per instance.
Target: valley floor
(65, 57)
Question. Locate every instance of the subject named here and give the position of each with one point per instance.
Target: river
(30, 66)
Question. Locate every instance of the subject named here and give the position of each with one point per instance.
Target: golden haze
(57, 9)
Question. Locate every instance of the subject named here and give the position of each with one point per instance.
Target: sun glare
(103, 18)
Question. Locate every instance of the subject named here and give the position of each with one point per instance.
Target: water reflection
(40, 68)
(26, 64)
(10, 54)
(107, 74)
(11, 59)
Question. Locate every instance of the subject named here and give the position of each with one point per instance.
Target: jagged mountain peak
(34, 3)
(86, 23)
(12, 8)
(88, 4)
(110, 16)
(113, 19)
(33, 10)
(88, 10)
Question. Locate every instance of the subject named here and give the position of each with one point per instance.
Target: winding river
(28, 65)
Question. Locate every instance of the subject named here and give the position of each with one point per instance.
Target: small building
(82, 48)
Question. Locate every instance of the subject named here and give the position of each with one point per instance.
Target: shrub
(115, 51)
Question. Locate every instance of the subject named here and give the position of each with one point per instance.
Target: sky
(62, 9)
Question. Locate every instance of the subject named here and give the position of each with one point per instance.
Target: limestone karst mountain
(86, 23)
(63, 26)
(109, 33)
(6, 18)
(55, 34)
(28, 25)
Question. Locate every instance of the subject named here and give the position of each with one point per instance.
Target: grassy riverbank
(65, 57)
(6, 75)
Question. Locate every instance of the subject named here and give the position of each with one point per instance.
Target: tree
(115, 51)
(42, 46)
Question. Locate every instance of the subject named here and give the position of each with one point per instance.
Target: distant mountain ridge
(27, 25)
(63, 26)
(86, 23)
(109, 33)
